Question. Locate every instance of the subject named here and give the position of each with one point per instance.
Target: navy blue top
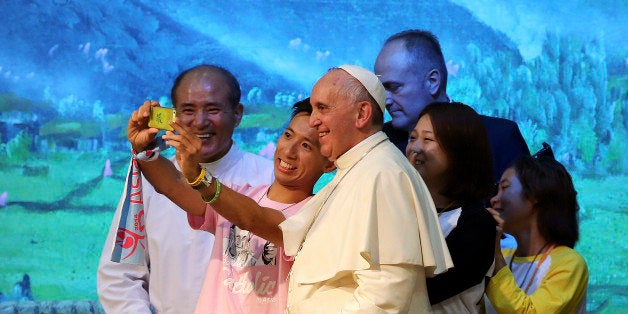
(472, 247)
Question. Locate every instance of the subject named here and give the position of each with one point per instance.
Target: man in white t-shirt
(207, 100)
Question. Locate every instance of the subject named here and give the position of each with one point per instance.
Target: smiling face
(516, 211)
(333, 115)
(426, 155)
(298, 159)
(202, 103)
(406, 90)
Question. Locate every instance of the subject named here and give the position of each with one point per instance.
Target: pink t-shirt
(246, 273)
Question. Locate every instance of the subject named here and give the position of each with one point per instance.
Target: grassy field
(54, 228)
(59, 251)
(55, 225)
(604, 215)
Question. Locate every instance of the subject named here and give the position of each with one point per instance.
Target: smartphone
(160, 117)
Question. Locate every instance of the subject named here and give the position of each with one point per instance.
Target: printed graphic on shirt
(250, 264)
(239, 248)
(269, 255)
(241, 251)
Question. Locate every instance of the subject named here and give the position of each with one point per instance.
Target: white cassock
(373, 239)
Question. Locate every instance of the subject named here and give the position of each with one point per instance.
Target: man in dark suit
(412, 68)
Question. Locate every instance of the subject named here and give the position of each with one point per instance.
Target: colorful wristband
(216, 195)
(198, 179)
(152, 150)
(145, 155)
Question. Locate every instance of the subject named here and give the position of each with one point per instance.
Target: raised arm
(161, 173)
(235, 207)
(167, 180)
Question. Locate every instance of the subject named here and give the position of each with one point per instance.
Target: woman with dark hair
(450, 149)
(536, 203)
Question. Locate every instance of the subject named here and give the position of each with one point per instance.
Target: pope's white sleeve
(122, 288)
(388, 289)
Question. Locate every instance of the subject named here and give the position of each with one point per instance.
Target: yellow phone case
(160, 116)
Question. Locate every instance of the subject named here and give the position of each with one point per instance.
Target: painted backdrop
(72, 71)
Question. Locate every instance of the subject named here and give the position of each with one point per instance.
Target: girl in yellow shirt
(536, 203)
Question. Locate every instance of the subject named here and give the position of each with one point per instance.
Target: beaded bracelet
(216, 195)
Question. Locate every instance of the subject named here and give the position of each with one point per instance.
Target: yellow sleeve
(561, 291)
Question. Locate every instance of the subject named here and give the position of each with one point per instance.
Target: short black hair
(548, 185)
(232, 82)
(302, 106)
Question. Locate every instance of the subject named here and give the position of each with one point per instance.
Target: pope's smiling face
(333, 115)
